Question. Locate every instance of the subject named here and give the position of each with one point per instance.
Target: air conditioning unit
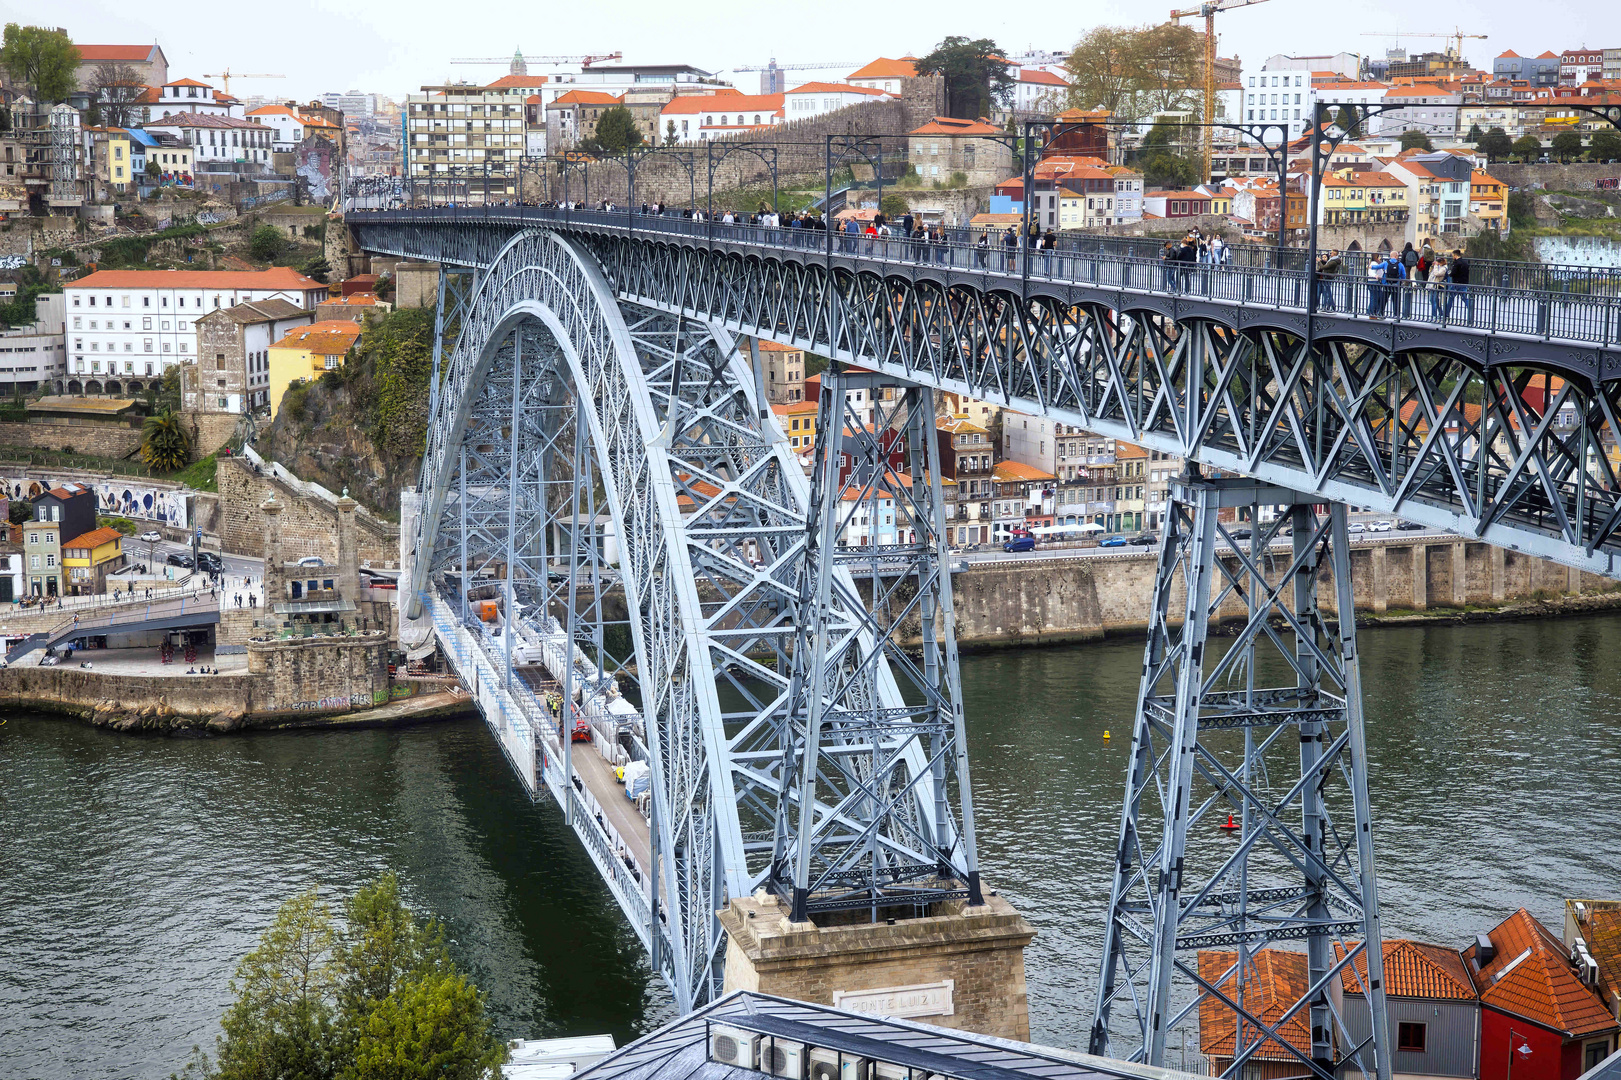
(782, 1057)
(828, 1065)
(884, 1070)
(1589, 970)
(734, 1046)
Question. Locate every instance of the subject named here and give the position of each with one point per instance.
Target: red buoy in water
(1230, 823)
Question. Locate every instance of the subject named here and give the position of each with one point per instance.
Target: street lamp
(1512, 1050)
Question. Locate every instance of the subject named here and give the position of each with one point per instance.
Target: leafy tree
(152, 168)
(616, 133)
(1349, 122)
(670, 137)
(317, 269)
(1135, 72)
(399, 350)
(975, 74)
(1605, 145)
(1414, 138)
(165, 443)
(1527, 147)
(1568, 145)
(431, 1027)
(1495, 144)
(266, 243)
(167, 396)
(1162, 164)
(42, 59)
(1475, 135)
(114, 91)
(894, 205)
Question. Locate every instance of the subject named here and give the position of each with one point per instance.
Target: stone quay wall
(101, 440)
(309, 523)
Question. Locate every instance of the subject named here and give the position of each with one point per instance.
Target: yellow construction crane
(1454, 49)
(1208, 10)
(226, 76)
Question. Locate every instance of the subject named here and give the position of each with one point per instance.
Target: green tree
(43, 59)
(165, 443)
(432, 1027)
(1568, 145)
(1605, 145)
(1413, 138)
(1495, 144)
(616, 133)
(1475, 135)
(1135, 72)
(670, 137)
(317, 269)
(283, 1021)
(975, 74)
(1527, 147)
(1349, 122)
(894, 205)
(1162, 163)
(152, 168)
(266, 243)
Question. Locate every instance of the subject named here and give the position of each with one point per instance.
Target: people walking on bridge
(1458, 287)
(1010, 244)
(1381, 272)
(1409, 264)
(1169, 256)
(982, 251)
(1436, 285)
(1330, 267)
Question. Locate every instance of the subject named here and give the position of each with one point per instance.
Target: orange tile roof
(1276, 980)
(1005, 471)
(359, 299)
(683, 104)
(772, 346)
(1412, 970)
(328, 337)
(277, 277)
(959, 425)
(1129, 451)
(587, 97)
(506, 81)
(89, 54)
(949, 125)
(1380, 179)
(885, 68)
(795, 408)
(868, 491)
(1044, 78)
(1531, 976)
(93, 539)
(1602, 932)
(272, 110)
(835, 88)
(187, 82)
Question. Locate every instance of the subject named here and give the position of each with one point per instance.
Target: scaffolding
(64, 156)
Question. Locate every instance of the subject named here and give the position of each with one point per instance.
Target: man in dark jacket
(1458, 286)
(1330, 268)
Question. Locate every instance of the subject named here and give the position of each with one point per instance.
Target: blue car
(1020, 543)
(1114, 541)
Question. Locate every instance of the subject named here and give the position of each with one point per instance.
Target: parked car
(1379, 526)
(1113, 541)
(1146, 539)
(1409, 526)
(210, 562)
(180, 559)
(1240, 534)
(151, 536)
(1356, 527)
(1020, 543)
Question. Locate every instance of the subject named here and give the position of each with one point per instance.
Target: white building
(288, 125)
(1424, 106)
(1038, 91)
(1279, 97)
(700, 117)
(35, 353)
(191, 96)
(816, 98)
(216, 140)
(1345, 64)
(884, 74)
(130, 325)
(352, 103)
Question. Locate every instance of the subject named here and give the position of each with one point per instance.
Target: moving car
(151, 536)
(210, 562)
(1356, 527)
(1146, 539)
(1020, 543)
(1113, 541)
(1240, 534)
(180, 559)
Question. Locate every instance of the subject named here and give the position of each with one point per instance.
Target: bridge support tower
(1246, 824)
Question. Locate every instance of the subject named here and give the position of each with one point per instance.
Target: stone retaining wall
(309, 523)
(101, 440)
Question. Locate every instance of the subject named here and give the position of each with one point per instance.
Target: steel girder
(1285, 761)
(708, 508)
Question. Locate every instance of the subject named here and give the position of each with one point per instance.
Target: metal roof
(679, 1051)
(314, 607)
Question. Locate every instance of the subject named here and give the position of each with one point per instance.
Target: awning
(426, 651)
(314, 607)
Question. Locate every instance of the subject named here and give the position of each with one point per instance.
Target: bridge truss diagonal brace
(1246, 826)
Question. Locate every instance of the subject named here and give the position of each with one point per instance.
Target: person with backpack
(1330, 268)
(1458, 286)
(1409, 267)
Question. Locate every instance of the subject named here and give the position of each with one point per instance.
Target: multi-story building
(1541, 70)
(966, 457)
(1162, 469)
(1281, 96)
(1427, 107)
(784, 372)
(815, 98)
(946, 145)
(109, 162)
(1577, 66)
(1086, 200)
(1038, 93)
(126, 326)
(1176, 204)
(884, 74)
(798, 420)
(68, 510)
(1364, 198)
(987, 414)
(231, 373)
(190, 97)
(571, 118)
(304, 353)
(1131, 488)
(1128, 194)
(148, 63)
(1488, 201)
(470, 138)
(35, 354)
(219, 140)
(352, 103)
(1438, 190)
(1023, 501)
(289, 126)
(700, 117)
(88, 558)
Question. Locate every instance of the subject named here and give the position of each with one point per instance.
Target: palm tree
(165, 445)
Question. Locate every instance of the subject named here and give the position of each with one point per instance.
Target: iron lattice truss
(708, 510)
(1267, 734)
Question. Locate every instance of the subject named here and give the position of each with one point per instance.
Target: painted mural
(318, 165)
(114, 498)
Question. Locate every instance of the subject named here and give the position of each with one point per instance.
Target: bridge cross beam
(1214, 739)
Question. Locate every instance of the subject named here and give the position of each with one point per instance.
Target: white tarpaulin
(1057, 530)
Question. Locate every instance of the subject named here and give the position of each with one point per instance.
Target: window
(1596, 1052)
(1410, 1037)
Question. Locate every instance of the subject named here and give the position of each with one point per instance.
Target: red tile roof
(1276, 980)
(587, 97)
(93, 539)
(835, 88)
(723, 103)
(1602, 932)
(885, 68)
(1531, 976)
(188, 82)
(90, 54)
(327, 338)
(506, 81)
(1043, 78)
(1412, 970)
(950, 125)
(1006, 471)
(277, 277)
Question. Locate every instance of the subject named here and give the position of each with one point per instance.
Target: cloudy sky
(396, 46)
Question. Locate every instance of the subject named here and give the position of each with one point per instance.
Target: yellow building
(306, 352)
(88, 558)
(1345, 201)
(1488, 200)
(798, 420)
(1386, 197)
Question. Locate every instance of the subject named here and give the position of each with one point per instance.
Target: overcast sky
(398, 45)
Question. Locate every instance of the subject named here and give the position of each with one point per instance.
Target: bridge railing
(1592, 317)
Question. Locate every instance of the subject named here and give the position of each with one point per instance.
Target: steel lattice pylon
(876, 811)
(1211, 731)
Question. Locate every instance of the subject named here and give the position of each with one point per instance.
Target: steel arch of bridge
(709, 509)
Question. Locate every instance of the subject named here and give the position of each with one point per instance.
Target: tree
(317, 269)
(431, 1028)
(1527, 147)
(1348, 121)
(1495, 144)
(165, 444)
(43, 59)
(1605, 145)
(1136, 72)
(1162, 165)
(114, 91)
(1568, 145)
(266, 243)
(1475, 135)
(670, 137)
(616, 134)
(975, 75)
(152, 168)
(1413, 138)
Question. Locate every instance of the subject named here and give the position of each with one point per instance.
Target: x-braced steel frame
(1206, 914)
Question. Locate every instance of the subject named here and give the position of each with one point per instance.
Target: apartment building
(218, 140)
(125, 327)
(465, 131)
(35, 353)
(232, 371)
(784, 372)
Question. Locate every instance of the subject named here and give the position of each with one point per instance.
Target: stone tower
(275, 586)
(348, 580)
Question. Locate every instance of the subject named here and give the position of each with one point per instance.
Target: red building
(1538, 1020)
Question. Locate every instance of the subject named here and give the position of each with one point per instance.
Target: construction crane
(1208, 10)
(583, 61)
(1454, 40)
(227, 75)
(772, 83)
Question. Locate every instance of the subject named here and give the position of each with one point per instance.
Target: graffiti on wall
(114, 498)
(317, 164)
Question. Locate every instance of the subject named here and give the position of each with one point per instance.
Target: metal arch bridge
(590, 391)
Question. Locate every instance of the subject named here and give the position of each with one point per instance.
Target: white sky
(396, 46)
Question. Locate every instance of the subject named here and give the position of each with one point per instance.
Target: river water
(137, 870)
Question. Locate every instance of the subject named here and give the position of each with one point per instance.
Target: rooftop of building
(327, 337)
(260, 311)
(202, 120)
(729, 103)
(959, 425)
(277, 277)
(93, 539)
(587, 97)
(795, 408)
(92, 54)
(1413, 969)
(359, 299)
(950, 125)
(1040, 78)
(885, 68)
(1012, 471)
(1276, 979)
(836, 88)
(1529, 974)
